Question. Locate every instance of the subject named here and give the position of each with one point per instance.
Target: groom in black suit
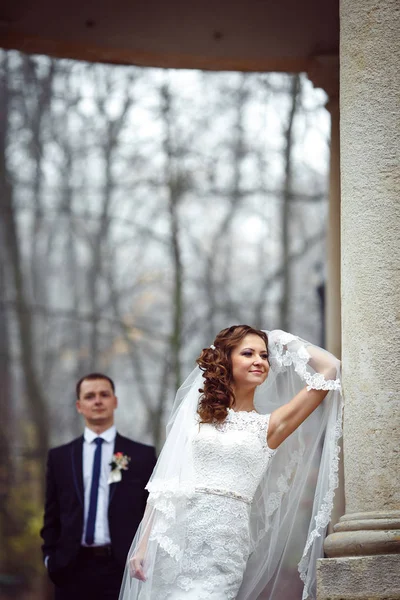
(92, 509)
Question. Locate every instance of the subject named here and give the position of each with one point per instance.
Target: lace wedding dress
(229, 518)
(229, 461)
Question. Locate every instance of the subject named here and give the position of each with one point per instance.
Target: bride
(245, 482)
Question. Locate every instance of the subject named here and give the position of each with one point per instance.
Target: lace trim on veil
(166, 498)
(281, 357)
(323, 516)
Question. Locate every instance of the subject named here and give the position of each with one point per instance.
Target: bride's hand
(136, 566)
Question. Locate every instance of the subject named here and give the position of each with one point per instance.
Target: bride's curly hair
(217, 393)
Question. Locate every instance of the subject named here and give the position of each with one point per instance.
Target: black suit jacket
(64, 508)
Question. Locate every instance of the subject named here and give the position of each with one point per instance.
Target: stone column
(364, 550)
(333, 321)
(333, 324)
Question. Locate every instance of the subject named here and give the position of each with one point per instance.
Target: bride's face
(249, 362)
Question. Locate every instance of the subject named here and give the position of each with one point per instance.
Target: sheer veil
(293, 503)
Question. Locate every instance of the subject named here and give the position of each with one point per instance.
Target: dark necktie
(94, 492)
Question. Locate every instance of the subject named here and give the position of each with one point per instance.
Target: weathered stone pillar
(333, 323)
(364, 551)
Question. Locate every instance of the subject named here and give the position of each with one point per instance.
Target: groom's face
(97, 402)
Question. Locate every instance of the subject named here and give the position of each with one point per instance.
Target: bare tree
(176, 183)
(38, 79)
(7, 479)
(284, 317)
(34, 395)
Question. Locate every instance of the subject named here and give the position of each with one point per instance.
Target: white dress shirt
(101, 530)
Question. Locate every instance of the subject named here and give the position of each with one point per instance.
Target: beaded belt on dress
(227, 493)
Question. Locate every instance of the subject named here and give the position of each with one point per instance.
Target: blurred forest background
(142, 210)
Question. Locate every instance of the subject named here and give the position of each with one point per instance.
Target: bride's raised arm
(319, 370)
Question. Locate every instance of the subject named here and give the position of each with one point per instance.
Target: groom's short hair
(93, 377)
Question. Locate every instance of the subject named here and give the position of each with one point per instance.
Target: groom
(92, 509)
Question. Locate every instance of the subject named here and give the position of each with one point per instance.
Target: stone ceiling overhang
(248, 35)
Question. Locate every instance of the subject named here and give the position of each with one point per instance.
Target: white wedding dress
(229, 518)
(229, 460)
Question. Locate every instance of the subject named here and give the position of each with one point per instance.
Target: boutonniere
(119, 462)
